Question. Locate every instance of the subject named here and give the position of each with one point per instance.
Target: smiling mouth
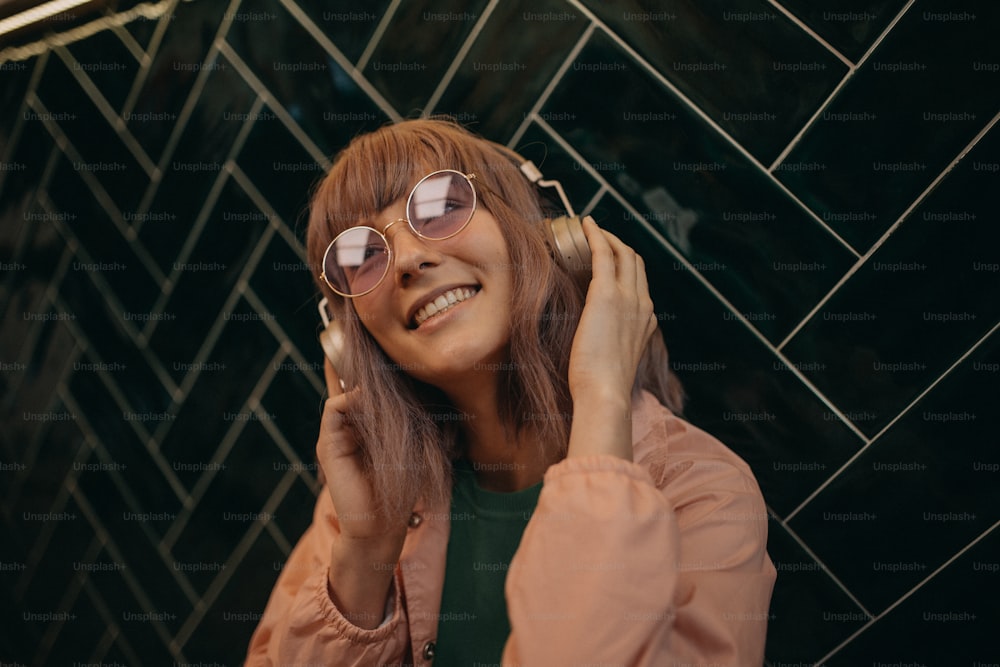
(443, 303)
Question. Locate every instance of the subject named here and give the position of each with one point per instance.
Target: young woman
(506, 479)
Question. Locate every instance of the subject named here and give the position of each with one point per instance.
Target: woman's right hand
(365, 552)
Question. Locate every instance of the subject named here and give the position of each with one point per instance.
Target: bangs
(381, 168)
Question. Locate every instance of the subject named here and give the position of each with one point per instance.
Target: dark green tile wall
(811, 184)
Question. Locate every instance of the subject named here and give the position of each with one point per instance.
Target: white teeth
(442, 303)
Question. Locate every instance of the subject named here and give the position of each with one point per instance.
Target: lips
(442, 302)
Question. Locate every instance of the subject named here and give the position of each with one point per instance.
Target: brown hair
(407, 430)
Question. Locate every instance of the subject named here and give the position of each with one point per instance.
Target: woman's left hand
(615, 325)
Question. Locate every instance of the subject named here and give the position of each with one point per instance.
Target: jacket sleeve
(302, 626)
(617, 568)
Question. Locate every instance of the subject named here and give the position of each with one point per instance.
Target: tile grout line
(891, 229)
(10, 145)
(850, 74)
(909, 593)
(590, 205)
(71, 593)
(279, 110)
(895, 419)
(700, 113)
(550, 87)
(456, 62)
(216, 330)
(111, 625)
(937, 381)
(30, 341)
(812, 33)
(193, 235)
(187, 109)
(827, 570)
(376, 37)
(133, 585)
(210, 340)
(30, 454)
(140, 432)
(280, 441)
(104, 107)
(219, 582)
(697, 274)
(147, 60)
(350, 69)
(98, 450)
(217, 462)
(128, 41)
(97, 190)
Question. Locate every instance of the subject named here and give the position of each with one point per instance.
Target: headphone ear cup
(332, 340)
(570, 247)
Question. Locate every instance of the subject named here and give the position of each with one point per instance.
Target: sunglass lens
(356, 261)
(441, 205)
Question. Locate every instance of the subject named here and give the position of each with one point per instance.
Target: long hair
(407, 430)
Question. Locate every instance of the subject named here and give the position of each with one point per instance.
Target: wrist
(359, 581)
(602, 424)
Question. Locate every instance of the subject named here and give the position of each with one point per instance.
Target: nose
(412, 254)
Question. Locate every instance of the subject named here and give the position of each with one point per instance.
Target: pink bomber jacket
(657, 563)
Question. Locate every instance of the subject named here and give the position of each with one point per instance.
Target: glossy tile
(25, 168)
(753, 71)
(129, 537)
(103, 155)
(285, 178)
(106, 338)
(950, 620)
(417, 48)
(296, 509)
(194, 165)
(23, 301)
(231, 370)
(127, 454)
(905, 115)
(317, 93)
(931, 278)
(204, 279)
(175, 66)
(737, 389)
(143, 29)
(104, 252)
(297, 419)
(48, 583)
(730, 221)
(108, 64)
(17, 77)
(918, 494)
(285, 285)
(234, 614)
(233, 503)
(500, 79)
(810, 613)
(850, 26)
(350, 25)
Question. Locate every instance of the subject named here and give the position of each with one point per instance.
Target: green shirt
(486, 529)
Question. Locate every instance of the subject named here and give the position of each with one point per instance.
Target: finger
(602, 256)
(333, 384)
(625, 260)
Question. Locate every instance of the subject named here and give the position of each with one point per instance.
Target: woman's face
(468, 279)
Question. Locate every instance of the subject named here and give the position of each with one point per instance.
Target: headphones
(566, 241)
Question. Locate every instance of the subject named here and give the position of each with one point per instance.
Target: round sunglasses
(440, 205)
